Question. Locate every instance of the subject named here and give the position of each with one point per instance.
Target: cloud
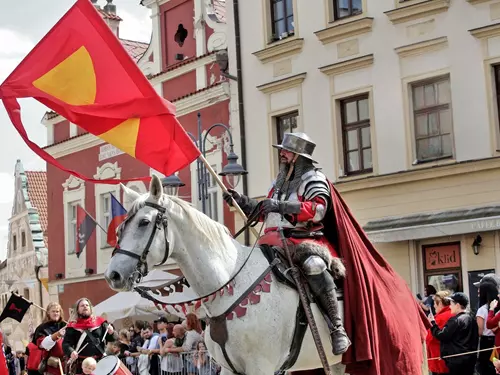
(13, 43)
(14, 46)
(6, 189)
(135, 26)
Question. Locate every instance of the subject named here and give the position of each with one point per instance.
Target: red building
(180, 63)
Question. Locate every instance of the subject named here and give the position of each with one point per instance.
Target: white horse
(258, 342)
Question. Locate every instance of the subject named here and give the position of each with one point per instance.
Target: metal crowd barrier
(187, 363)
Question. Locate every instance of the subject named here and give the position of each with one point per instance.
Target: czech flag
(118, 214)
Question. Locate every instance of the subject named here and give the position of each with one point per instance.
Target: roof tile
(37, 194)
(135, 49)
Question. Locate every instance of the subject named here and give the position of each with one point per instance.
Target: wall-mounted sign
(108, 151)
(442, 256)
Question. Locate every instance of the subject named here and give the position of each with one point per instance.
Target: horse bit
(160, 222)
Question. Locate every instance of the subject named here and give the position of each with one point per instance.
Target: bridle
(160, 223)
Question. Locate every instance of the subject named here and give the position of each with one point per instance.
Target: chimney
(110, 7)
(110, 16)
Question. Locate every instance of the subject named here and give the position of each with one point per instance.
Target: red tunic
(56, 351)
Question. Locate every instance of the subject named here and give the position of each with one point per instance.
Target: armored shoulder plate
(314, 183)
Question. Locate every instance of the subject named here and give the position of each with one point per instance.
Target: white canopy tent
(131, 306)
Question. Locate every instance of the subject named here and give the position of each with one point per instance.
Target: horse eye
(144, 222)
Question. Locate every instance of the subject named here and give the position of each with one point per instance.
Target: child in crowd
(89, 365)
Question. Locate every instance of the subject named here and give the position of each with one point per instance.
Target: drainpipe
(241, 106)
(40, 291)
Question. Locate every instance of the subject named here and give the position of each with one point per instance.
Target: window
(285, 124)
(432, 119)
(282, 19)
(211, 201)
(356, 135)
(23, 239)
(346, 8)
(72, 208)
(27, 293)
(105, 216)
(496, 71)
(14, 242)
(210, 204)
(443, 266)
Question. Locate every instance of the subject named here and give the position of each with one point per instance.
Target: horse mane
(216, 233)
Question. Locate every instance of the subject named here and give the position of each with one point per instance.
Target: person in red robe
(48, 338)
(305, 205)
(98, 332)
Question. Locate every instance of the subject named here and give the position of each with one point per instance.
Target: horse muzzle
(117, 282)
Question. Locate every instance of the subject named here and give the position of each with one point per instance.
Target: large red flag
(81, 71)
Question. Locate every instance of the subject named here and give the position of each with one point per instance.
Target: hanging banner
(45, 283)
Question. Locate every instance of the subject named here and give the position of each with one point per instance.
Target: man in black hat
(459, 335)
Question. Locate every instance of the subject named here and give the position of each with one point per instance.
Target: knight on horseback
(298, 203)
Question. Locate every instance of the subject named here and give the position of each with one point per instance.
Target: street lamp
(232, 171)
(171, 184)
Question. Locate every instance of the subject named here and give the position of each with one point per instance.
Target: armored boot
(323, 287)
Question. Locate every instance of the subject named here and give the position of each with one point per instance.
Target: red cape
(382, 318)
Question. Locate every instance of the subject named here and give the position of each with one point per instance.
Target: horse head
(144, 238)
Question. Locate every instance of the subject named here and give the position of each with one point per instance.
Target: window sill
(345, 28)
(280, 49)
(433, 162)
(355, 177)
(474, 2)
(414, 11)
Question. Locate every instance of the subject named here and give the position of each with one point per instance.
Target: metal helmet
(298, 143)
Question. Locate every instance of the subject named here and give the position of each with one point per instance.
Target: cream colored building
(401, 98)
(25, 269)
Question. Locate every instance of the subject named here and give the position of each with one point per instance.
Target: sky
(22, 25)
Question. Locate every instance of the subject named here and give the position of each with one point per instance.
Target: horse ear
(130, 194)
(155, 188)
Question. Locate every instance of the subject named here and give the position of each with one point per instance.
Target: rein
(252, 220)
(160, 222)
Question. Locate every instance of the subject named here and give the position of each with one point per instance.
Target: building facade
(180, 63)
(25, 269)
(401, 98)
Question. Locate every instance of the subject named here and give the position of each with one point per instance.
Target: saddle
(282, 276)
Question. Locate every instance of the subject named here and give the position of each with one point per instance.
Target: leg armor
(323, 287)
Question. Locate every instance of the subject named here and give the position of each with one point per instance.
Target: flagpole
(32, 303)
(95, 221)
(224, 189)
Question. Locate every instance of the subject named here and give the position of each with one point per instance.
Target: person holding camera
(458, 338)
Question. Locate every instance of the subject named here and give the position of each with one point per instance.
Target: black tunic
(72, 337)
